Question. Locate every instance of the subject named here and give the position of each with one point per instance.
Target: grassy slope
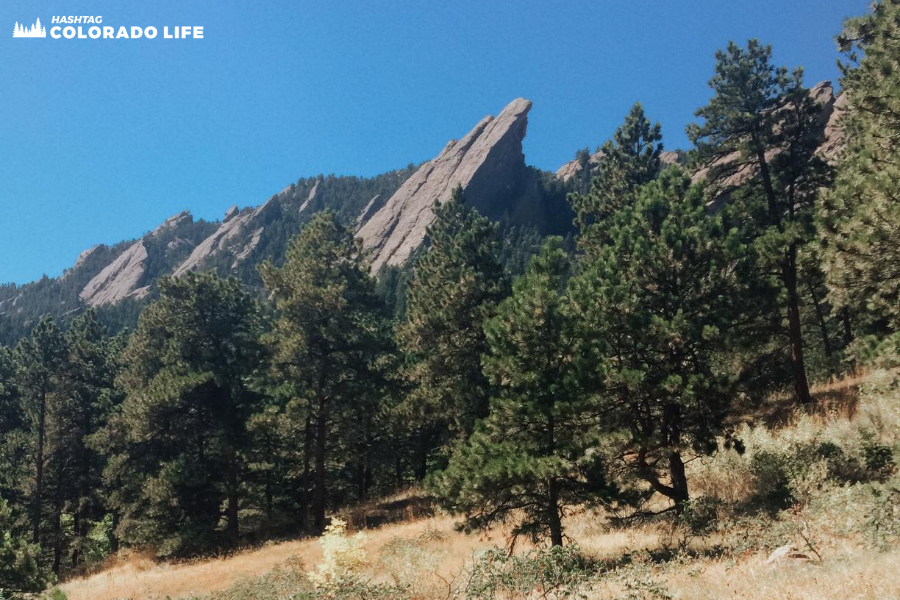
(725, 561)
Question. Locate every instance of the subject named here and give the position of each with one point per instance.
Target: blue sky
(100, 140)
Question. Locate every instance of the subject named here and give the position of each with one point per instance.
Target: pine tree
(629, 160)
(329, 340)
(88, 385)
(21, 574)
(527, 460)
(860, 217)
(455, 287)
(12, 424)
(176, 442)
(762, 121)
(40, 357)
(658, 305)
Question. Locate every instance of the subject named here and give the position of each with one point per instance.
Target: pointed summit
(487, 162)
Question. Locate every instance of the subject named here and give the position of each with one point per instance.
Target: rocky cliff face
(125, 276)
(487, 163)
(237, 236)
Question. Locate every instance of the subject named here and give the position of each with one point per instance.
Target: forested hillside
(517, 374)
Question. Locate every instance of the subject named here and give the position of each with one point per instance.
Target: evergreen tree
(40, 359)
(860, 217)
(21, 574)
(329, 340)
(527, 460)
(456, 284)
(762, 121)
(658, 305)
(178, 438)
(88, 384)
(629, 160)
(12, 423)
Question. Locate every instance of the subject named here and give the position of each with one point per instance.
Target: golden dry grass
(138, 578)
(847, 572)
(425, 553)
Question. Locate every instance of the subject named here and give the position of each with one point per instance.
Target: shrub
(557, 572)
(883, 522)
(342, 555)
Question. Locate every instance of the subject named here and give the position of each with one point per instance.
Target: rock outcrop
(834, 132)
(487, 162)
(120, 279)
(230, 238)
(823, 94)
(124, 277)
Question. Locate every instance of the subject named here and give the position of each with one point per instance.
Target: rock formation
(229, 237)
(120, 279)
(124, 277)
(487, 162)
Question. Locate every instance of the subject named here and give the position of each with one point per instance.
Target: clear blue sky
(100, 140)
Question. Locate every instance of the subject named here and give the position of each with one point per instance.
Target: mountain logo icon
(36, 30)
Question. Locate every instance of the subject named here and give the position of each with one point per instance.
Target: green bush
(557, 572)
(771, 476)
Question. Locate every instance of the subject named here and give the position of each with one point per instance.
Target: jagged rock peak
(174, 221)
(229, 236)
(484, 162)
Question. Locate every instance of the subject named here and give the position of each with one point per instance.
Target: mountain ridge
(390, 212)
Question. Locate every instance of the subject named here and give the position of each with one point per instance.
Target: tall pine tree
(860, 217)
(177, 441)
(527, 461)
(657, 305)
(456, 285)
(329, 341)
(629, 160)
(762, 122)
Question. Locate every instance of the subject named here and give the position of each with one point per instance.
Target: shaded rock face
(574, 167)
(834, 133)
(230, 238)
(489, 165)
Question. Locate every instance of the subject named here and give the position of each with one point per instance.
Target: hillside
(835, 527)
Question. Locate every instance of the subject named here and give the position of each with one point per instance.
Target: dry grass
(848, 572)
(861, 575)
(422, 551)
(140, 579)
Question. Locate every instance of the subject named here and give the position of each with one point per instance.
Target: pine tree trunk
(113, 537)
(771, 200)
(307, 455)
(232, 485)
(57, 534)
(37, 501)
(798, 365)
(556, 532)
(789, 273)
(820, 319)
(319, 493)
(848, 329)
(678, 481)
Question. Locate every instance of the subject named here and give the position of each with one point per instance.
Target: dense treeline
(513, 392)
